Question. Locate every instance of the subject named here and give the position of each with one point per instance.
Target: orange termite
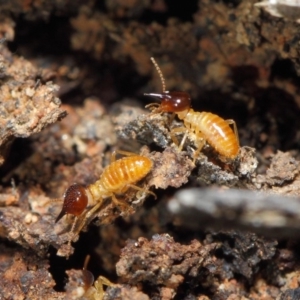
(201, 126)
(117, 178)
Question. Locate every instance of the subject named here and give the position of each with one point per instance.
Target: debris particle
(267, 214)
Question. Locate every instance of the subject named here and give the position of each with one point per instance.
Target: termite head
(87, 276)
(171, 102)
(175, 102)
(75, 201)
(87, 279)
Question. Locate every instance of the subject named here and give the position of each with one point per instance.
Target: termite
(116, 179)
(200, 126)
(84, 285)
(88, 287)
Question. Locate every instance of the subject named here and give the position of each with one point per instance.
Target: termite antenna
(162, 79)
(86, 262)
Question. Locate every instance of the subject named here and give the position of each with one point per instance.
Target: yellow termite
(200, 126)
(116, 179)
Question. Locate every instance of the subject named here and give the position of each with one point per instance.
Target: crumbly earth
(72, 79)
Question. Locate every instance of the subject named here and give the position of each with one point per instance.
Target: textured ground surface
(72, 79)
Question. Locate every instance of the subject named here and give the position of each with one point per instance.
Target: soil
(73, 75)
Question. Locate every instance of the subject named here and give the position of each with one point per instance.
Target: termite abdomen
(127, 170)
(75, 201)
(216, 132)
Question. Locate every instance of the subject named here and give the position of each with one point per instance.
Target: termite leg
(72, 234)
(125, 153)
(144, 190)
(171, 119)
(113, 157)
(153, 107)
(118, 202)
(98, 284)
(14, 187)
(232, 122)
(183, 141)
(200, 144)
(174, 139)
(200, 141)
(53, 200)
(84, 219)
